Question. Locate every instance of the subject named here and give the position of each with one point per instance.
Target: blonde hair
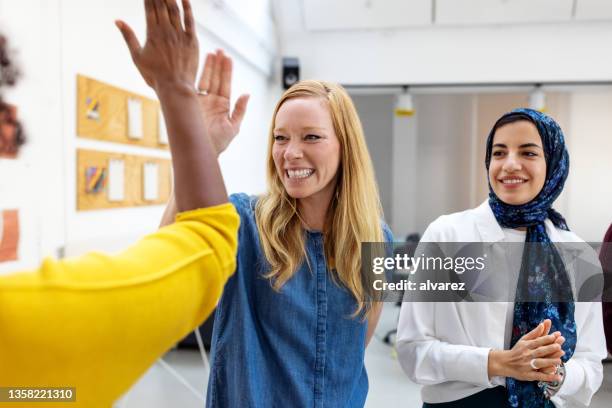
(354, 215)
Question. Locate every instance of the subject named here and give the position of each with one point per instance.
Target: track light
(404, 106)
(537, 99)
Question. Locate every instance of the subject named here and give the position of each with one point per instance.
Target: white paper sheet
(116, 180)
(134, 118)
(151, 181)
(163, 132)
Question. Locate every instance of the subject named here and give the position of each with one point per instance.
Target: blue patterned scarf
(542, 275)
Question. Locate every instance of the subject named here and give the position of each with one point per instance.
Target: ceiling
(323, 15)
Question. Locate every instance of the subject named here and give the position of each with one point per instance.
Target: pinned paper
(134, 118)
(116, 180)
(163, 132)
(95, 179)
(151, 181)
(10, 235)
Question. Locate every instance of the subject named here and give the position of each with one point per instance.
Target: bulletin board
(114, 180)
(105, 112)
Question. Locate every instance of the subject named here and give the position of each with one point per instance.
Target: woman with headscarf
(501, 353)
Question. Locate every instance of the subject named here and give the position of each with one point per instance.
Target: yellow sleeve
(97, 322)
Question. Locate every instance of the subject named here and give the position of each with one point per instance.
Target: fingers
(129, 37)
(541, 341)
(540, 376)
(174, 15)
(161, 9)
(547, 324)
(544, 351)
(239, 110)
(548, 370)
(189, 22)
(207, 71)
(215, 82)
(535, 333)
(225, 88)
(151, 15)
(546, 362)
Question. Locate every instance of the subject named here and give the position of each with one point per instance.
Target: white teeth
(301, 173)
(513, 181)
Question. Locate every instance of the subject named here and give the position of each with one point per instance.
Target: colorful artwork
(9, 231)
(93, 108)
(95, 179)
(11, 132)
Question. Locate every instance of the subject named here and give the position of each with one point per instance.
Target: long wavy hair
(354, 215)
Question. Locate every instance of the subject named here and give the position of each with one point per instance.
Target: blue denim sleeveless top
(295, 348)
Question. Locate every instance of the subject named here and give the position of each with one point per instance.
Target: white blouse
(445, 346)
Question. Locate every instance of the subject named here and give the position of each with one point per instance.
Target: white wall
(589, 186)
(423, 162)
(376, 114)
(58, 39)
(443, 177)
(35, 182)
(443, 54)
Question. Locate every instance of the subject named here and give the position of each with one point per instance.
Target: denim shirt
(297, 347)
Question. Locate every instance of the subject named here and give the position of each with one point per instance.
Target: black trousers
(489, 398)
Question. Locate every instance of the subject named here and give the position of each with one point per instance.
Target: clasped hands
(534, 357)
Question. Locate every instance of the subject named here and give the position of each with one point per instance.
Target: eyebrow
(523, 146)
(305, 128)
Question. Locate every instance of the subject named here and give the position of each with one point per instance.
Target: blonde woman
(293, 323)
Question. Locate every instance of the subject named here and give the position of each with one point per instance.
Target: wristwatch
(550, 388)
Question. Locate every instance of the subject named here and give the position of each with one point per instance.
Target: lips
(299, 173)
(512, 181)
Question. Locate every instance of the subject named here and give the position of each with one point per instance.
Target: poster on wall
(9, 235)
(116, 180)
(151, 181)
(134, 118)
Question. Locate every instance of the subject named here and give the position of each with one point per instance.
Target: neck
(313, 212)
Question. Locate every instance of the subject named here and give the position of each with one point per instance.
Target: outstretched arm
(97, 322)
(168, 62)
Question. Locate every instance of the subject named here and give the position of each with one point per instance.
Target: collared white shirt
(445, 346)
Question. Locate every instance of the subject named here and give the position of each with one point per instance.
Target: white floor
(389, 387)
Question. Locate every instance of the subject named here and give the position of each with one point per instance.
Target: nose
(512, 163)
(293, 151)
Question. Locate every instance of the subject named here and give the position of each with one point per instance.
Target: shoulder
(244, 204)
(561, 235)
(458, 226)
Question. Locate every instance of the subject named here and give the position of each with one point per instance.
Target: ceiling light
(404, 105)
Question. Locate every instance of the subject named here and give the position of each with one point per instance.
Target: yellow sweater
(97, 322)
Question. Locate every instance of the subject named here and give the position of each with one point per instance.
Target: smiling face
(306, 150)
(517, 170)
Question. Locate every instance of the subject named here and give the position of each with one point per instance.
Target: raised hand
(214, 94)
(169, 63)
(170, 54)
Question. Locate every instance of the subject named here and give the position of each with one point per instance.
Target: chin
(512, 199)
(297, 193)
